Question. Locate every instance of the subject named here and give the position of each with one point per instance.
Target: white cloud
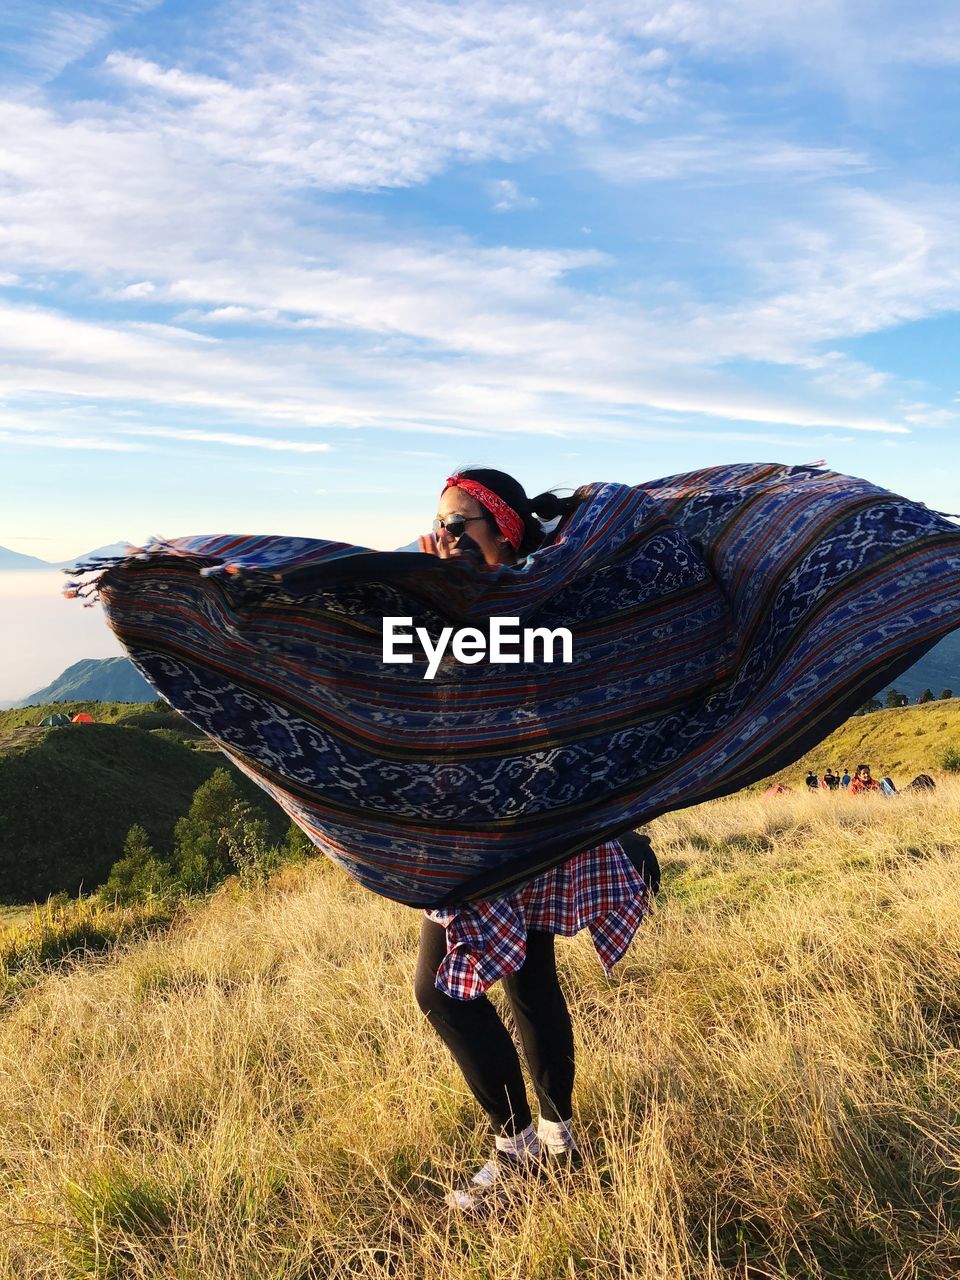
(849, 43)
(172, 83)
(141, 289)
(867, 262)
(391, 95)
(511, 318)
(233, 315)
(721, 157)
(927, 415)
(233, 439)
(41, 37)
(197, 192)
(63, 440)
(507, 196)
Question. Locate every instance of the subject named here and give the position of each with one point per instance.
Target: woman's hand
(439, 544)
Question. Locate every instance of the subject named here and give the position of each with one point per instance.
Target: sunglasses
(455, 526)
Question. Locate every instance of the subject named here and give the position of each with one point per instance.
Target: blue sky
(281, 274)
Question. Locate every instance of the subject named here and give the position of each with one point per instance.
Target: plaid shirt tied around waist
(599, 890)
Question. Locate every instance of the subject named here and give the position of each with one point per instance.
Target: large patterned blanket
(723, 622)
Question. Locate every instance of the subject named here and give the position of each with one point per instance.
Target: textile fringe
(87, 575)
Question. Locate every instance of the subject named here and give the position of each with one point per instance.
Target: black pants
(484, 1048)
(482, 1045)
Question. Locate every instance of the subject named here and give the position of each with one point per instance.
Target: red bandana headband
(508, 522)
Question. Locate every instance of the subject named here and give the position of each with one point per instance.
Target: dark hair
(545, 506)
(863, 766)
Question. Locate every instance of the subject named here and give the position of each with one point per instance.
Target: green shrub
(138, 875)
(246, 842)
(297, 845)
(950, 760)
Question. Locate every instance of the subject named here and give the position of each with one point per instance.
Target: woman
(726, 621)
(863, 782)
(486, 513)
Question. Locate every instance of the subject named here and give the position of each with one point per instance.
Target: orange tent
(82, 718)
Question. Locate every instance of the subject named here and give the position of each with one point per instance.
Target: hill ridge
(94, 679)
(903, 741)
(69, 795)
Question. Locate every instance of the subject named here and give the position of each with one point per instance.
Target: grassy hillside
(767, 1088)
(142, 715)
(68, 797)
(905, 741)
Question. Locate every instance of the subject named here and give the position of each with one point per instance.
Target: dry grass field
(770, 1087)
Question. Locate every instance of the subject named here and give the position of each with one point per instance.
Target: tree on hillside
(222, 835)
(871, 704)
(248, 844)
(895, 698)
(946, 693)
(200, 856)
(926, 696)
(138, 874)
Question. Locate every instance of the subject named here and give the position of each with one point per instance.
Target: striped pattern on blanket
(723, 622)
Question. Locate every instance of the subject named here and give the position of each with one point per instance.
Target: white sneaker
(494, 1179)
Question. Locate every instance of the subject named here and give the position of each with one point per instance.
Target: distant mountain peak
(95, 680)
(15, 560)
(111, 549)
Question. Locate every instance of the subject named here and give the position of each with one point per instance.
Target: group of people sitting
(863, 781)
